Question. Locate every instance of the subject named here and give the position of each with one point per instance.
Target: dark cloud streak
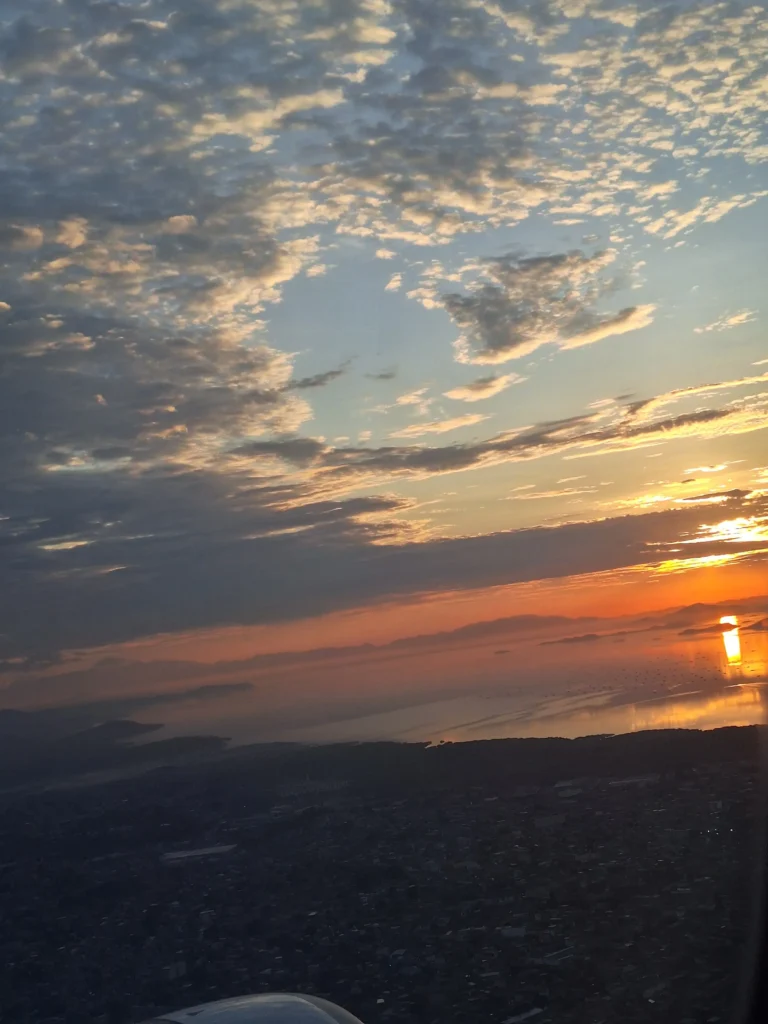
(299, 562)
(317, 380)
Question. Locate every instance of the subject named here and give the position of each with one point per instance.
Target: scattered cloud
(745, 316)
(394, 283)
(563, 492)
(20, 237)
(74, 232)
(415, 400)
(439, 426)
(317, 270)
(709, 469)
(632, 318)
(708, 210)
(599, 431)
(716, 497)
(484, 387)
(300, 450)
(645, 409)
(317, 380)
(412, 397)
(515, 305)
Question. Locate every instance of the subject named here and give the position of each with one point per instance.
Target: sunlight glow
(743, 530)
(705, 561)
(64, 545)
(731, 640)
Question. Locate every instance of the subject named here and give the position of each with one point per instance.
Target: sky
(333, 323)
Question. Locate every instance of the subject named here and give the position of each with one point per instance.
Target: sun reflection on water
(731, 640)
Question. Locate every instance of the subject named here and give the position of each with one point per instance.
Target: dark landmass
(393, 767)
(64, 719)
(565, 881)
(39, 748)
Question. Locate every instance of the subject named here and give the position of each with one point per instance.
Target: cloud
(632, 318)
(461, 141)
(709, 469)
(153, 471)
(645, 409)
(734, 494)
(300, 450)
(317, 380)
(317, 270)
(382, 375)
(744, 316)
(609, 428)
(515, 305)
(295, 575)
(162, 551)
(484, 387)
(135, 275)
(707, 210)
(257, 124)
(439, 426)
(74, 232)
(394, 283)
(20, 237)
(411, 399)
(563, 492)
(91, 383)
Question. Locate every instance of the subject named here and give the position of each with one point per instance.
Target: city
(585, 899)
